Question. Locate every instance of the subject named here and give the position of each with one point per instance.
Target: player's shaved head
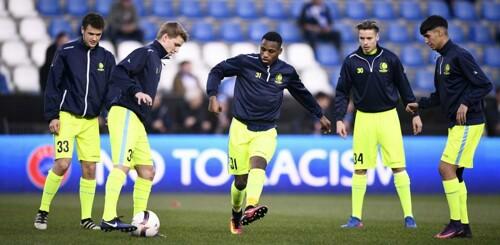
(273, 37)
(432, 22)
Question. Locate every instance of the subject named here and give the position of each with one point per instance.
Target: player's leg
(89, 149)
(141, 156)
(464, 215)
(238, 191)
(63, 148)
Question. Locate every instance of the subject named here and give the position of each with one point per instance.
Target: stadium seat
(219, 9)
(190, 51)
(492, 56)
(33, 29)
(349, 48)
(256, 30)
(6, 72)
(163, 8)
(3, 9)
(243, 48)
(49, 7)
(125, 48)
(140, 7)
(481, 33)
(491, 10)
(290, 32)
(296, 8)
(412, 56)
(301, 56)
(334, 75)
(424, 81)
(231, 31)
(384, 10)
(38, 51)
(77, 7)
(214, 53)
(438, 8)
(203, 31)
(108, 45)
(103, 7)
(433, 56)
(15, 53)
(346, 31)
(457, 33)
(335, 11)
(398, 33)
(26, 79)
(9, 31)
(149, 28)
(327, 55)
(356, 10)
(191, 8)
(475, 51)
(58, 25)
(4, 85)
(22, 8)
(464, 10)
(247, 9)
(275, 9)
(410, 10)
(315, 79)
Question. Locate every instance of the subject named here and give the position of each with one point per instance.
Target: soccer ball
(147, 224)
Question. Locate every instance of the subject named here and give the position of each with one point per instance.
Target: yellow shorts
(86, 132)
(372, 130)
(244, 144)
(461, 145)
(129, 141)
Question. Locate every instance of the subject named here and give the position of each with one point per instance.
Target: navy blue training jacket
(258, 92)
(375, 82)
(139, 72)
(458, 79)
(78, 80)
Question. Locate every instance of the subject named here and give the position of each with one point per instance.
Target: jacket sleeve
(434, 99)
(303, 96)
(227, 68)
(111, 63)
(54, 90)
(127, 68)
(343, 91)
(402, 83)
(480, 85)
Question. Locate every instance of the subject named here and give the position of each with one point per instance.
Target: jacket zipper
(268, 73)
(373, 61)
(87, 87)
(64, 97)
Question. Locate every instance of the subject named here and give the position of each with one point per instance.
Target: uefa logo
(39, 163)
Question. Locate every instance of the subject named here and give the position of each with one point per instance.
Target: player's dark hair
(94, 20)
(368, 25)
(273, 37)
(432, 22)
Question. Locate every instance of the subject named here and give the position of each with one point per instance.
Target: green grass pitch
(292, 219)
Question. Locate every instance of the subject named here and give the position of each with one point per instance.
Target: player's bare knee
(360, 171)
(398, 170)
(240, 181)
(88, 170)
(146, 172)
(61, 165)
(258, 162)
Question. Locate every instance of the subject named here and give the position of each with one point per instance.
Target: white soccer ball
(147, 224)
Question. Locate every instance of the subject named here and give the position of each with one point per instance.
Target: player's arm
(480, 84)
(227, 68)
(123, 72)
(110, 65)
(54, 92)
(342, 93)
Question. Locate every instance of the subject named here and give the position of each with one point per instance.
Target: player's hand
(214, 105)
(326, 125)
(412, 107)
(462, 114)
(54, 126)
(341, 130)
(144, 98)
(417, 125)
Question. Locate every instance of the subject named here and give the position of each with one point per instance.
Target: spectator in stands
(492, 113)
(194, 116)
(316, 24)
(309, 125)
(185, 80)
(160, 121)
(123, 22)
(60, 39)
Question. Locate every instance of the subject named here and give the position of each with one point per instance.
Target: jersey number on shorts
(129, 155)
(358, 158)
(62, 146)
(232, 163)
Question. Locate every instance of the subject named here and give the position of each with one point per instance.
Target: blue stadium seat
(296, 8)
(464, 10)
(334, 76)
(4, 87)
(433, 56)
(348, 48)
(256, 30)
(150, 29)
(418, 36)
(356, 10)
(58, 25)
(103, 7)
(275, 9)
(384, 10)
(49, 7)
(327, 55)
(457, 33)
(203, 31)
(219, 9)
(424, 81)
(492, 56)
(246, 9)
(474, 50)
(77, 7)
(232, 32)
(140, 7)
(481, 34)
(412, 56)
(410, 10)
(346, 31)
(491, 10)
(290, 32)
(438, 8)
(163, 8)
(398, 33)
(335, 11)
(191, 8)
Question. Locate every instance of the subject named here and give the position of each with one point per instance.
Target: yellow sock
(237, 197)
(255, 183)
(462, 192)
(50, 188)
(358, 194)
(142, 189)
(402, 184)
(451, 188)
(87, 193)
(114, 184)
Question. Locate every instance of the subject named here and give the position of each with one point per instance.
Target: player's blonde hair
(173, 29)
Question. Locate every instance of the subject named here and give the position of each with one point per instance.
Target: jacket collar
(160, 51)
(82, 43)
(446, 47)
